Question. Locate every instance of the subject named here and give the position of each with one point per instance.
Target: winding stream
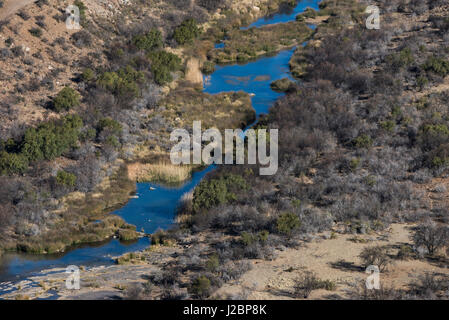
(154, 209)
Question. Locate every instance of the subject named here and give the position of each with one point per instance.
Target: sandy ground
(193, 73)
(331, 259)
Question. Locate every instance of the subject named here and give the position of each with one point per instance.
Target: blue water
(254, 78)
(16, 266)
(154, 209)
(286, 14)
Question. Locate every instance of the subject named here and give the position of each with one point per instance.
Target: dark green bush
(82, 8)
(36, 32)
(212, 263)
(65, 178)
(208, 67)
(66, 99)
(438, 65)
(51, 139)
(12, 163)
(110, 124)
(123, 83)
(149, 41)
(162, 64)
(402, 59)
(287, 223)
(200, 287)
(213, 192)
(363, 141)
(88, 75)
(187, 31)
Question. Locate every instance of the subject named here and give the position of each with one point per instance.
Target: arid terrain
(363, 148)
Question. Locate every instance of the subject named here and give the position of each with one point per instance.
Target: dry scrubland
(363, 166)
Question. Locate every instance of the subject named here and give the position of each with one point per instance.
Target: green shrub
(112, 141)
(186, 32)
(388, 125)
(51, 139)
(200, 287)
(248, 238)
(310, 13)
(435, 129)
(123, 83)
(82, 8)
(363, 141)
(439, 162)
(438, 65)
(66, 99)
(422, 81)
(36, 32)
(300, 18)
(208, 194)
(354, 163)
(65, 179)
(88, 75)
(149, 41)
(213, 192)
(287, 222)
(162, 64)
(110, 124)
(12, 163)
(163, 58)
(213, 263)
(208, 67)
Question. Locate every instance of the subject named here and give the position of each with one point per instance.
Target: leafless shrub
(376, 256)
(431, 236)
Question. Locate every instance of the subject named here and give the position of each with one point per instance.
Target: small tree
(287, 223)
(88, 75)
(149, 41)
(375, 256)
(11, 163)
(66, 99)
(431, 236)
(187, 31)
(65, 179)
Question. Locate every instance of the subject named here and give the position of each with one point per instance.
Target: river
(156, 209)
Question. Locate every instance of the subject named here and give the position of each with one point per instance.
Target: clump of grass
(163, 172)
(128, 235)
(130, 258)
